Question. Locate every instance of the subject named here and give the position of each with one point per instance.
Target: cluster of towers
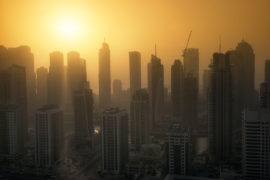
(59, 100)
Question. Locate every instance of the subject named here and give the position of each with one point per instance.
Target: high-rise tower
(135, 71)
(220, 109)
(56, 78)
(104, 77)
(42, 86)
(48, 135)
(139, 119)
(156, 89)
(177, 89)
(114, 141)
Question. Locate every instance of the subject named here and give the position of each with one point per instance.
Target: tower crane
(184, 53)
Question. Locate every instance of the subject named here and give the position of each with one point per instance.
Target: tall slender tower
(267, 70)
(191, 63)
(114, 141)
(190, 108)
(135, 71)
(139, 119)
(56, 78)
(220, 109)
(156, 90)
(83, 113)
(76, 71)
(42, 85)
(177, 89)
(104, 77)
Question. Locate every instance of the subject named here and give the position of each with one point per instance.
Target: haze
(136, 25)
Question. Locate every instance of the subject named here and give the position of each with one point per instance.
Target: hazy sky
(135, 25)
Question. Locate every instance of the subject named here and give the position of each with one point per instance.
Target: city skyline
(170, 43)
(135, 90)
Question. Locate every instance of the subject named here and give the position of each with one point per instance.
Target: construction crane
(184, 53)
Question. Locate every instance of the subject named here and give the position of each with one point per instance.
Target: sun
(68, 27)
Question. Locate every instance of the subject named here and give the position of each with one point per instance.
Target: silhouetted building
(190, 102)
(139, 119)
(256, 144)
(220, 109)
(117, 89)
(243, 74)
(265, 87)
(83, 114)
(178, 152)
(48, 135)
(76, 78)
(13, 91)
(191, 63)
(76, 71)
(265, 94)
(114, 141)
(135, 71)
(177, 90)
(267, 70)
(156, 90)
(42, 86)
(56, 78)
(11, 132)
(22, 56)
(104, 77)
(206, 74)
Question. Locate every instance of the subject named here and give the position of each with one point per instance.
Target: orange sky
(136, 25)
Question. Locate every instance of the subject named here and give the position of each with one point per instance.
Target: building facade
(48, 135)
(104, 77)
(156, 90)
(135, 71)
(83, 105)
(177, 90)
(139, 119)
(114, 141)
(220, 109)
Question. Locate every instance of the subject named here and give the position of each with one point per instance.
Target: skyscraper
(117, 89)
(246, 65)
(243, 73)
(267, 70)
(155, 89)
(76, 79)
(190, 107)
(256, 143)
(11, 132)
(206, 74)
(135, 71)
(114, 141)
(178, 152)
(220, 109)
(48, 135)
(139, 119)
(265, 94)
(56, 78)
(177, 89)
(256, 136)
(13, 91)
(76, 71)
(104, 77)
(191, 63)
(22, 56)
(83, 114)
(42, 86)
